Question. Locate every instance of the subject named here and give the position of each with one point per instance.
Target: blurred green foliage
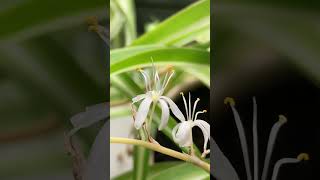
(51, 68)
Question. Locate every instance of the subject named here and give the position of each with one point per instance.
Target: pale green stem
(156, 147)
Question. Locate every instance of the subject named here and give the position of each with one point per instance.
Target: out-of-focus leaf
(117, 19)
(120, 111)
(18, 58)
(37, 17)
(127, 7)
(92, 115)
(187, 23)
(45, 153)
(202, 73)
(97, 164)
(220, 167)
(172, 170)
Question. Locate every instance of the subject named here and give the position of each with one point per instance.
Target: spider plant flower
(182, 132)
(154, 95)
(272, 137)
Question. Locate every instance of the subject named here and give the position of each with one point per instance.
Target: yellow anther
(198, 99)
(181, 93)
(282, 118)
(204, 111)
(139, 69)
(229, 100)
(303, 156)
(92, 21)
(170, 68)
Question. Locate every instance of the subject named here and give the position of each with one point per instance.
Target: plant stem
(156, 147)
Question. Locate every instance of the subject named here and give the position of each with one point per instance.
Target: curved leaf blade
(171, 170)
(191, 19)
(181, 57)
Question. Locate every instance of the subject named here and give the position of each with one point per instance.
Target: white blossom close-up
(182, 132)
(154, 95)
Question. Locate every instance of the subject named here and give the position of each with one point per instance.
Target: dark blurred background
(51, 68)
(270, 50)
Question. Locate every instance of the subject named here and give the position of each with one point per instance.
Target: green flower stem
(156, 147)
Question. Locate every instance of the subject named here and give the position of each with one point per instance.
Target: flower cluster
(182, 132)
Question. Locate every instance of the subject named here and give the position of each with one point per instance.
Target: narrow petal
(164, 115)
(205, 128)
(174, 132)
(174, 108)
(142, 112)
(183, 135)
(138, 98)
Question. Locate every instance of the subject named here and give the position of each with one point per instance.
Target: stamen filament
(272, 137)
(164, 80)
(279, 163)
(166, 83)
(190, 105)
(194, 107)
(199, 112)
(185, 104)
(255, 142)
(243, 140)
(146, 79)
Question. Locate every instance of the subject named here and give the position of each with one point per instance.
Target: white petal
(164, 115)
(142, 112)
(174, 131)
(174, 108)
(138, 98)
(183, 136)
(205, 127)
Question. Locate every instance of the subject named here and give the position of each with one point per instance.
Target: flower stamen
(146, 79)
(199, 112)
(165, 83)
(189, 106)
(194, 107)
(185, 104)
(279, 163)
(100, 30)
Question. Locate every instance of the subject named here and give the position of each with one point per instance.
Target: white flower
(182, 132)
(154, 91)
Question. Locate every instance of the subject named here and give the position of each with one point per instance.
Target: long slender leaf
(188, 21)
(37, 17)
(182, 57)
(171, 170)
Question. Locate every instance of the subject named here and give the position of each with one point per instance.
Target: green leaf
(201, 72)
(182, 57)
(187, 23)
(32, 18)
(127, 8)
(171, 170)
(140, 166)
